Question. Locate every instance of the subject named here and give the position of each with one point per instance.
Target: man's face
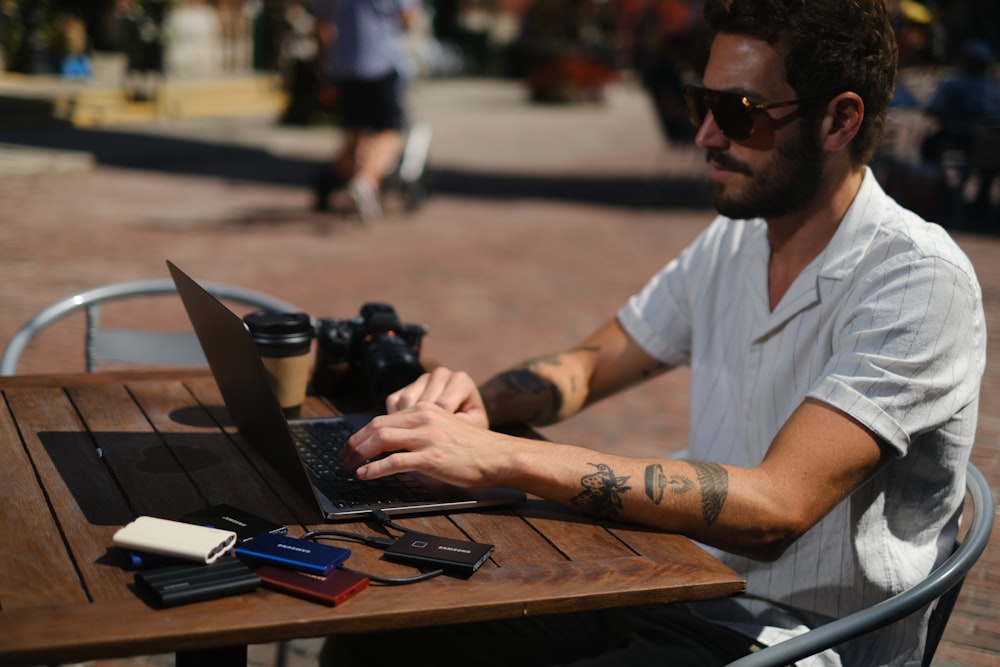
(778, 169)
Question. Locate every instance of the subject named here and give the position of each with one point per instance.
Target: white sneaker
(365, 197)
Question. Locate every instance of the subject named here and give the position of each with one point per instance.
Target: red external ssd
(330, 589)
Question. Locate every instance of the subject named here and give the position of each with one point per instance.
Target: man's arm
(540, 391)
(818, 458)
(553, 387)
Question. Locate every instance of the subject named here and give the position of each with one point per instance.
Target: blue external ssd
(292, 553)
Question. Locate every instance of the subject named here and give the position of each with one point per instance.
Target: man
(360, 53)
(836, 344)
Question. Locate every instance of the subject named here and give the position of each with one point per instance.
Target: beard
(786, 185)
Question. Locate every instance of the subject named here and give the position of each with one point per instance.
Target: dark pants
(373, 104)
(665, 635)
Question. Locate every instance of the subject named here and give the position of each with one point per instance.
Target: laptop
(304, 451)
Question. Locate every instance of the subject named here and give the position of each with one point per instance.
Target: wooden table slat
(650, 543)
(143, 465)
(89, 508)
(219, 471)
(575, 535)
(22, 502)
(294, 507)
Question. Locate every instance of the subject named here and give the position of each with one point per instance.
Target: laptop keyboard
(319, 444)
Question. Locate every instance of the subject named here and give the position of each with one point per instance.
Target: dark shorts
(374, 104)
(661, 635)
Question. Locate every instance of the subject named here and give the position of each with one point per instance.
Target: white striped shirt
(886, 325)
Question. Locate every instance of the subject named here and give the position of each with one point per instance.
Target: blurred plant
(29, 35)
(570, 49)
(10, 32)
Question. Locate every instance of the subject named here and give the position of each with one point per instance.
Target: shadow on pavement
(172, 155)
(197, 157)
(921, 190)
(630, 191)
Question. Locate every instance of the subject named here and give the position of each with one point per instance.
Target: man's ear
(842, 122)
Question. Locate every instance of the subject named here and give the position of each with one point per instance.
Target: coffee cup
(284, 341)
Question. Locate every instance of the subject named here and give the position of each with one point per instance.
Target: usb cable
(378, 543)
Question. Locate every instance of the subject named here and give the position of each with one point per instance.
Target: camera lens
(390, 364)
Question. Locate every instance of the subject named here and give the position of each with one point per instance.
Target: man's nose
(709, 135)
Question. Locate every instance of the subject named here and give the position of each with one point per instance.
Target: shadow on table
(115, 475)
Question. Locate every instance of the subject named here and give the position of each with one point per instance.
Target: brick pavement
(543, 219)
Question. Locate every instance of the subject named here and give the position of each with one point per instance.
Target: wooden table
(84, 454)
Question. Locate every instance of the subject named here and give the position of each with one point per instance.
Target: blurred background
(562, 49)
(561, 174)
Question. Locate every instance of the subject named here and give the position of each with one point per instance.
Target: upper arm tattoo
(525, 381)
(601, 491)
(554, 360)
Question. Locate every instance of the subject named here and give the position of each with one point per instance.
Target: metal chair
(942, 585)
(131, 346)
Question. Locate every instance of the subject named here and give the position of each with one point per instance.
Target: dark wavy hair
(830, 47)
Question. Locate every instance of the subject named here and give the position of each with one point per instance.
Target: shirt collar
(855, 232)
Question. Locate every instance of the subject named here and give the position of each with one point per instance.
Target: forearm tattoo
(657, 482)
(712, 477)
(714, 481)
(601, 489)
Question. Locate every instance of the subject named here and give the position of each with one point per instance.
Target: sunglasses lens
(697, 105)
(734, 119)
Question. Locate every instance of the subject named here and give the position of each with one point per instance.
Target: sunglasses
(733, 113)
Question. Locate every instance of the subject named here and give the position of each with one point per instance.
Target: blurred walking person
(360, 54)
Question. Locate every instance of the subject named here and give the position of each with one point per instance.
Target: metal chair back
(942, 585)
(131, 346)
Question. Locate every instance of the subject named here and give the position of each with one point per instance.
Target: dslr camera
(372, 352)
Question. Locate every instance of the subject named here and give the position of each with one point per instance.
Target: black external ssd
(456, 557)
(182, 584)
(243, 523)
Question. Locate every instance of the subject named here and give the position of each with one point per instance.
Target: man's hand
(453, 391)
(428, 438)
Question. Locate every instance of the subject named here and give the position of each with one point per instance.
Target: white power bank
(173, 538)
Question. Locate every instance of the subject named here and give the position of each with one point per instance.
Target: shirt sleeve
(658, 317)
(910, 348)
(661, 318)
